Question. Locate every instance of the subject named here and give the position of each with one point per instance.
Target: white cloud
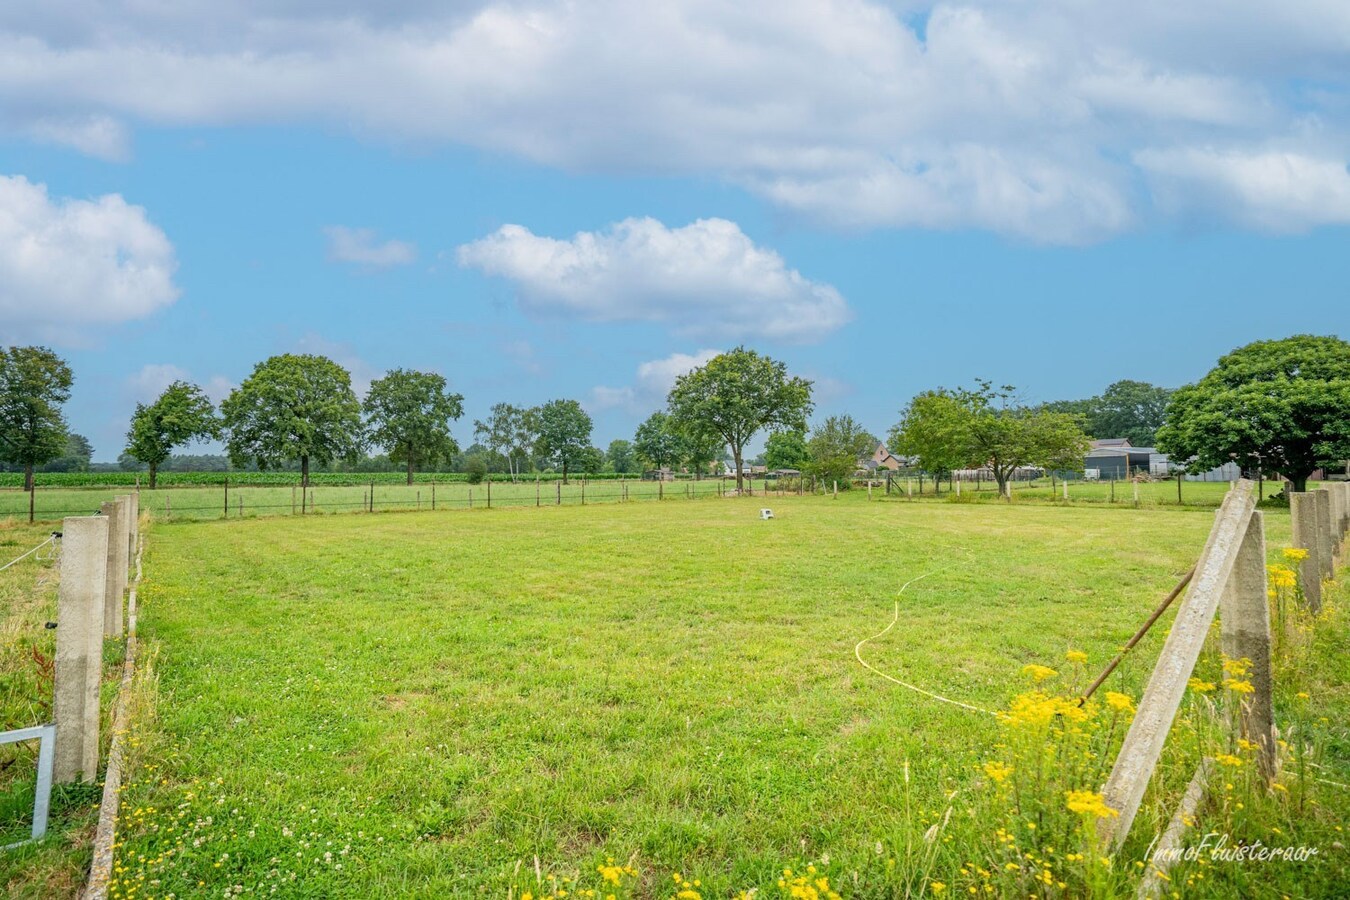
(360, 246)
(704, 279)
(1268, 190)
(654, 380)
(67, 265)
(99, 136)
(1020, 117)
(147, 384)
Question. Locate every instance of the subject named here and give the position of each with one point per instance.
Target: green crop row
(282, 479)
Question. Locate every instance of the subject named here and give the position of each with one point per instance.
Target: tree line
(1278, 406)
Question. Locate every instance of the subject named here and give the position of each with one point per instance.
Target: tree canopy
(786, 449)
(735, 395)
(835, 448)
(34, 383)
(621, 457)
(986, 426)
(1280, 405)
(409, 414)
(564, 434)
(509, 432)
(293, 407)
(658, 442)
(180, 414)
(1134, 410)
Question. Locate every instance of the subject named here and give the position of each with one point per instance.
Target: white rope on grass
(28, 554)
(857, 651)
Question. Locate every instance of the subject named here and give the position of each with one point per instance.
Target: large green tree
(621, 457)
(74, 458)
(409, 414)
(987, 426)
(293, 407)
(700, 449)
(509, 432)
(836, 447)
(786, 449)
(1134, 410)
(180, 414)
(564, 434)
(34, 383)
(658, 442)
(735, 395)
(1281, 405)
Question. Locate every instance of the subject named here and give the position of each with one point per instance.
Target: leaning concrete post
(133, 527)
(79, 647)
(1324, 542)
(1244, 625)
(1143, 743)
(115, 570)
(1303, 510)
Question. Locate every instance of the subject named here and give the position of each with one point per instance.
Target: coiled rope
(857, 651)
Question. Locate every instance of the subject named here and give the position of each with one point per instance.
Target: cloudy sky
(586, 199)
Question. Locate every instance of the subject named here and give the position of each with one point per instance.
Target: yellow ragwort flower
(997, 771)
(1089, 803)
(1122, 702)
(1241, 687)
(1077, 656)
(1038, 673)
(1295, 554)
(1201, 687)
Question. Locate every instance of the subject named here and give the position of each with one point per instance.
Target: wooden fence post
(79, 646)
(1244, 625)
(1124, 789)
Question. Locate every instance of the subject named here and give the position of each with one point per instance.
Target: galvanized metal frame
(42, 799)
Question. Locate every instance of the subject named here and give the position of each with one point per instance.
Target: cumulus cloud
(653, 382)
(149, 382)
(1019, 117)
(1269, 190)
(67, 265)
(704, 279)
(360, 246)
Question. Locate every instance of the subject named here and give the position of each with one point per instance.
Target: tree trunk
(564, 471)
(410, 467)
(736, 457)
(1300, 481)
(304, 471)
(28, 478)
(154, 475)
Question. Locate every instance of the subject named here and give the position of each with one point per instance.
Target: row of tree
(1279, 406)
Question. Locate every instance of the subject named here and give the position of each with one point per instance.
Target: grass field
(425, 705)
(251, 501)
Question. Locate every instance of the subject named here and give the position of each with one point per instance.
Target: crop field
(253, 500)
(502, 702)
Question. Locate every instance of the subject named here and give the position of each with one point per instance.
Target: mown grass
(210, 502)
(431, 705)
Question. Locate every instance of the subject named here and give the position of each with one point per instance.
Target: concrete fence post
(1244, 627)
(115, 570)
(1143, 744)
(1303, 511)
(79, 647)
(1324, 541)
(133, 526)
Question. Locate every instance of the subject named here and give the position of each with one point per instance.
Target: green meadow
(501, 702)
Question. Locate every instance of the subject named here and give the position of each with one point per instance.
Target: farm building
(1116, 458)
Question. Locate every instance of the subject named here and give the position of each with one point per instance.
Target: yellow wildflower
(937, 886)
(1077, 656)
(1202, 687)
(1089, 803)
(997, 771)
(1237, 667)
(1295, 554)
(1228, 759)
(1038, 673)
(1122, 702)
(1241, 687)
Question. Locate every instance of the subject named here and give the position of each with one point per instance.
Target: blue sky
(542, 201)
